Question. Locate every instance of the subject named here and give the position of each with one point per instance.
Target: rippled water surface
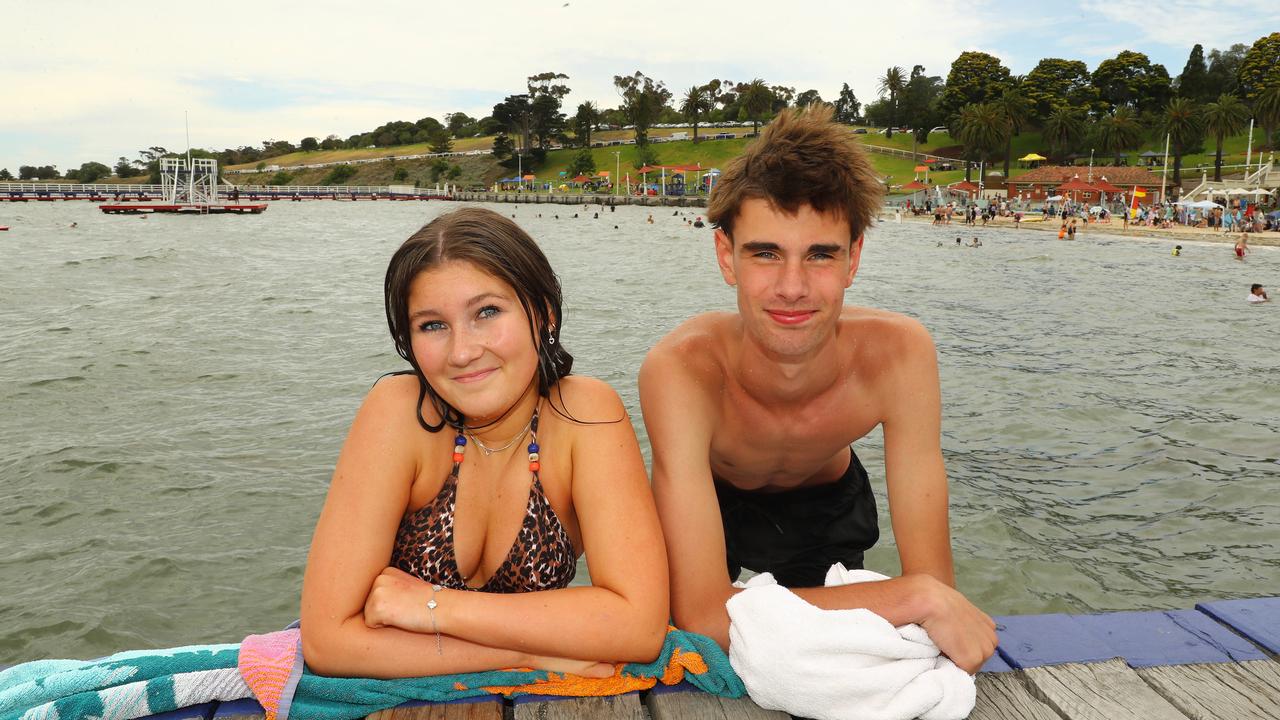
(174, 392)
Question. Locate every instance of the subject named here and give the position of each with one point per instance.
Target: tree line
(1114, 108)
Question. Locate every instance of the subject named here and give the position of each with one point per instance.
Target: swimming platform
(1218, 660)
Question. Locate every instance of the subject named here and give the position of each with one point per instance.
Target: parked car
(859, 131)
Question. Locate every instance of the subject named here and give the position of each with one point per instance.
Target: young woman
(469, 485)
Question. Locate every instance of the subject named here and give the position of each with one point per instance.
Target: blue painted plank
(238, 709)
(194, 712)
(1257, 619)
(995, 664)
(1033, 640)
(1203, 627)
(1148, 639)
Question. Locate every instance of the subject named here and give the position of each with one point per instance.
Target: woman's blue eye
(488, 311)
(431, 326)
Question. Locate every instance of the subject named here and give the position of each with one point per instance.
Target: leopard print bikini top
(541, 558)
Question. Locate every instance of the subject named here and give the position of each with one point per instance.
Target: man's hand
(398, 599)
(960, 630)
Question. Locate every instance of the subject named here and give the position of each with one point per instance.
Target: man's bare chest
(755, 446)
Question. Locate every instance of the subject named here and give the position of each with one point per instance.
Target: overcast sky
(86, 81)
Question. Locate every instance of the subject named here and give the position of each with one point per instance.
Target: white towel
(839, 664)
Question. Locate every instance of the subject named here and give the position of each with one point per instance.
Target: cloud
(85, 80)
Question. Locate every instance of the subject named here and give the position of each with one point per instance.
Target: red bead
(534, 467)
(457, 457)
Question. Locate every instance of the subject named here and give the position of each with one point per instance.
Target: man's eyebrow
(825, 248)
(764, 245)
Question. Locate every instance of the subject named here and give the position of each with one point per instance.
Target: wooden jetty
(182, 209)
(1216, 661)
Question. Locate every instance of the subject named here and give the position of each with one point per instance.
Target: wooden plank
(483, 709)
(239, 710)
(1099, 691)
(1257, 619)
(1028, 641)
(619, 707)
(1173, 637)
(1004, 696)
(744, 709)
(684, 706)
(1219, 690)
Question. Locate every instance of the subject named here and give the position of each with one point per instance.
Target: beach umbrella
(1205, 204)
(581, 179)
(1032, 157)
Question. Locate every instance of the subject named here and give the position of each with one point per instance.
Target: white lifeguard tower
(189, 181)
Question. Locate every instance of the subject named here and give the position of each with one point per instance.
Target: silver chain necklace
(507, 445)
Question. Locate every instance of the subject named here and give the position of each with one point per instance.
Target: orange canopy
(1076, 184)
(915, 185)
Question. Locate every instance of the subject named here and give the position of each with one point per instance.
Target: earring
(551, 338)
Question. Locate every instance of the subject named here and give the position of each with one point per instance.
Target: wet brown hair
(497, 246)
(802, 158)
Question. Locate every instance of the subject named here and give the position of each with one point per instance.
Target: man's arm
(678, 415)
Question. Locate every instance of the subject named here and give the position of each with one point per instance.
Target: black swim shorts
(798, 534)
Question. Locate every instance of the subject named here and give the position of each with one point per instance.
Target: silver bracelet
(431, 607)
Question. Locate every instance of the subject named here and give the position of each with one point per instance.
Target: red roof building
(1044, 182)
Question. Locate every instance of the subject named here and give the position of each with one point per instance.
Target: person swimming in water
(1177, 250)
(1257, 294)
(1242, 247)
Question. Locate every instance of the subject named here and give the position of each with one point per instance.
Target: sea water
(174, 392)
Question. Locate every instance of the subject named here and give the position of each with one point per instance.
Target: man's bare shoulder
(885, 326)
(696, 347)
(885, 342)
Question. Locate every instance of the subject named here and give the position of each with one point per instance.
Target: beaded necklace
(460, 446)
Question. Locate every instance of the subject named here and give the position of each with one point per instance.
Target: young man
(1257, 294)
(751, 414)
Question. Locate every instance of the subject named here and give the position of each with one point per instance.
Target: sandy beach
(1096, 228)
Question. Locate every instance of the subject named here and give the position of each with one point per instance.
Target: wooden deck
(1216, 661)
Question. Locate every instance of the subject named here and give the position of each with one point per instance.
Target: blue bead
(533, 447)
(459, 441)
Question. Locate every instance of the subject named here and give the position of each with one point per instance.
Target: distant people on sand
(1257, 294)
(1177, 250)
(1242, 247)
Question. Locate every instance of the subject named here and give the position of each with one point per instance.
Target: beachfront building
(1086, 185)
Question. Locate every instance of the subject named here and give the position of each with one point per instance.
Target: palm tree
(1185, 128)
(983, 128)
(1119, 131)
(1225, 117)
(1015, 107)
(1062, 130)
(891, 84)
(756, 98)
(1267, 111)
(695, 103)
